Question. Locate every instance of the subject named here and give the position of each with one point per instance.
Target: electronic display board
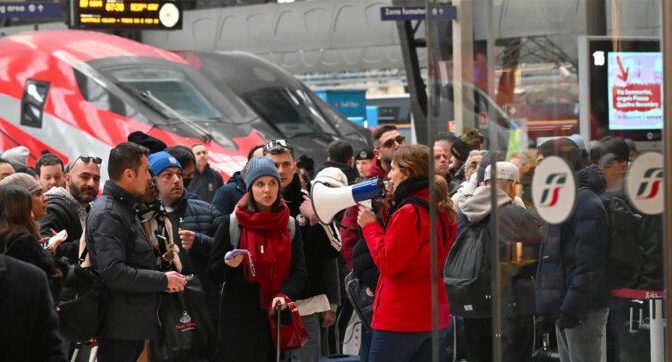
(126, 14)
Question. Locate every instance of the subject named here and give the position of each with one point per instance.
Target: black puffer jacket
(363, 266)
(121, 253)
(62, 214)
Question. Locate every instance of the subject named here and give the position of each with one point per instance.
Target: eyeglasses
(278, 145)
(390, 143)
(89, 159)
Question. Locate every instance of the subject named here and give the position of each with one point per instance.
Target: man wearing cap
(194, 221)
(516, 225)
(121, 253)
(363, 160)
(68, 207)
(571, 278)
(319, 296)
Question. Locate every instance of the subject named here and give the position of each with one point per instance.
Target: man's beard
(81, 197)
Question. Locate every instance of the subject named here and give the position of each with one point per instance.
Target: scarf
(266, 236)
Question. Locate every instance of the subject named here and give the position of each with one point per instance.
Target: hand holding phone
(233, 253)
(57, 239)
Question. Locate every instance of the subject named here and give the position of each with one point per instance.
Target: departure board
(127, 14)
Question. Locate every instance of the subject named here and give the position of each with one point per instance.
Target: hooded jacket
(571, 275)
(63, 214)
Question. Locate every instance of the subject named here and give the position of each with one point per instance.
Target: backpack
(467, 272)
(625, 254)
(234, 229)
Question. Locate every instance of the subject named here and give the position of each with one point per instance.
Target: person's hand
(328, 318)
(176, 282)
(276, 301)
(369, 292)
(187, 238)
(235, 261)
(307, 210)
(365, 216)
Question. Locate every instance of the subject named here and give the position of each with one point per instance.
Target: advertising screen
(634, 90)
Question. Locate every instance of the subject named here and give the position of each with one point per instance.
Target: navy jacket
(227, 196)
(571, 275)
(205, 184)
(121, 253)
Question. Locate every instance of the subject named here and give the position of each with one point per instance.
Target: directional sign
(128, 14)
(396, 13)
(29, 10)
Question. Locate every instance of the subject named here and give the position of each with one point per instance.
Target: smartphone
(60, 236)
(231, 254)
(189, 277)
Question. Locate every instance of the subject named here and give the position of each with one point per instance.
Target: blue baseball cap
(160, 161)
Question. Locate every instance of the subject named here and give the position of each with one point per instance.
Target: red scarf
(266, 236)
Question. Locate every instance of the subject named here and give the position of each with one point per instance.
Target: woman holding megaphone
(260, 261)
(401, 250)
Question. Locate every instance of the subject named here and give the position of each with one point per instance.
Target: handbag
(361, 301)
(81, 303)
(288, 336)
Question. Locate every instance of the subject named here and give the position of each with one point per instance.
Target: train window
(32, 104)
(102, 98)
(291, 111)
(176, 94)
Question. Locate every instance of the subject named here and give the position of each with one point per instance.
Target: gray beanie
(260, 166)
(22, 180)
(17, 155)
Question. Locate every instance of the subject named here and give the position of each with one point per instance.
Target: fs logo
(650, 187)
(553, 185)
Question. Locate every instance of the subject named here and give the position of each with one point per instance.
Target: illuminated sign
(127, 14)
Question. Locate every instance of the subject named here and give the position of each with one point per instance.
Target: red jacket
(401, 252)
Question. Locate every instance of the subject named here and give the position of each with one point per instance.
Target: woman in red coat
(402, 321)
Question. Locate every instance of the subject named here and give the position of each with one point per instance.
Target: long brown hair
(413, 161)
(16, 218)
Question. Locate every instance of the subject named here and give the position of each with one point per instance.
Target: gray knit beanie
(260, 166)
(23, 180)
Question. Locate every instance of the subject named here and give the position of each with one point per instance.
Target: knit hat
(260, 166)
(365, 154)
(160, 161)
(332, 176)
(460, 149)
(17, 155)
(23, 180)
(152, 143)
(505, 171)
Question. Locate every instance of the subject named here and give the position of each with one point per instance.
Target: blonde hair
(413, 161)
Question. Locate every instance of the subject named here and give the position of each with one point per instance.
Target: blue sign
(350, 103)
(30, 9)
(401, 13)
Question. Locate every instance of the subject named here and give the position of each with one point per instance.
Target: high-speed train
(80, 93)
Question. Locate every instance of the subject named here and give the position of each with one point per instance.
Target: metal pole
(431, 82)
(666, 38)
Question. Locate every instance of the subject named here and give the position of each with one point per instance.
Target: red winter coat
(401, 252)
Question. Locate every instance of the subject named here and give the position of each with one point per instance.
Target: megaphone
(328, 201)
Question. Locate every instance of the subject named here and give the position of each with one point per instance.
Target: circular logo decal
(554, 190)
(169, 15)
(644, 183)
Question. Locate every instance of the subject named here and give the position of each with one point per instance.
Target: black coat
(201, 218)
(63, 214)
(227, 196)
(363, 266)
(121, 253)
(205, 184)
(29, 321)
(243, 325)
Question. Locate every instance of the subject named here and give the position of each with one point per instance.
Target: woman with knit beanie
(254, 281)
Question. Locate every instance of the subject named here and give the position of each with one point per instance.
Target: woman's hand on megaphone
(365, 216)
(307, 211)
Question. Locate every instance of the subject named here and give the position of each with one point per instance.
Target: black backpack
(467, 272)
(625, 253)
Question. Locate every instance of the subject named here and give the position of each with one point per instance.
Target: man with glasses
(68, 207)
(319, 298)
(194, 222)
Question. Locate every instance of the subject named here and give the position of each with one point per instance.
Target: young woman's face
(395, 175)
(265, 191)
(39, 204)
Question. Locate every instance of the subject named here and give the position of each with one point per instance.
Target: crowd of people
(165, 222)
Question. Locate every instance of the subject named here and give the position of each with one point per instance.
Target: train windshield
(175, 95)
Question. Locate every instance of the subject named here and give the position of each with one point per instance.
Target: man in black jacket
(67, 208)
(339, 155)
(194, 222)
(28, 317)
(320, 296)
(206, 180)
(121, 253)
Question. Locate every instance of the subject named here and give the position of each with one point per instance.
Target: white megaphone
(328, 201)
